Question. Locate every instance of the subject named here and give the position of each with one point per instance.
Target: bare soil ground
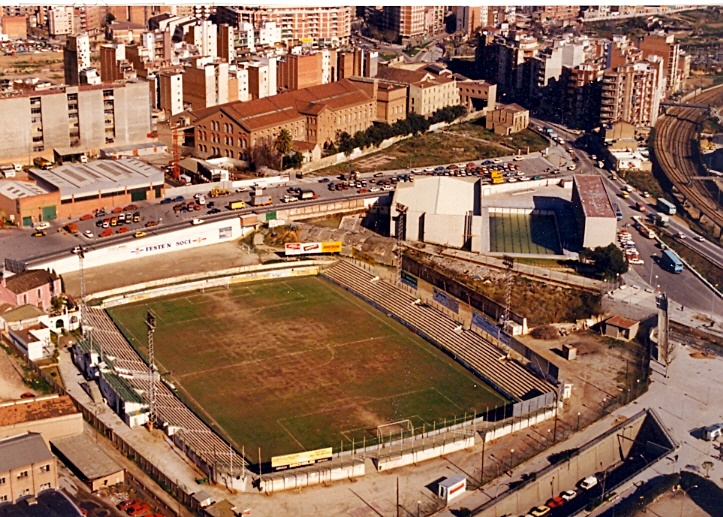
(45, 65)
(11, 381)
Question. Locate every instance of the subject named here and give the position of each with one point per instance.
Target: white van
(588, 483)
(713, 432)
(42, 225)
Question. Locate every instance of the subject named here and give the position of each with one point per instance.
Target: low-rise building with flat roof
(621, 328)
(51, 416)
(26, 467)
(88, 462)
(100, 184)
(26, 203)
(593, 210)
(508, 119)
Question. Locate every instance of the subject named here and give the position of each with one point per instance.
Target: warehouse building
(100, 184)
(26, 203)
(88, 462)
(593, 210)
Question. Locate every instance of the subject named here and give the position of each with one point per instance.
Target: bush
(545, 332)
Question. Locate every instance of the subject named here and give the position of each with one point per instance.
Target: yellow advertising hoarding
(331, 247)
(300, 459)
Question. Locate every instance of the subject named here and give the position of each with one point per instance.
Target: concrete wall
(447, 230)
(183, 238)
(599, 231)
(415, 456)
(49, 428)
(297, 480)
(91, 119)
(132, 113)
(55, 121)
(15, 137)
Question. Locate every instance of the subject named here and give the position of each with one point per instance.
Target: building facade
(408, 21)
(313, 116)
(508, 119)
(26, 467)
(32, 287)
(205, 83)
(632, 92)
(76, 58)
(321, 25)
(86, 117)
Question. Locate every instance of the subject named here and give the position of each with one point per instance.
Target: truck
(42, 162)
(646, 232)
(262, 201)
(307, 194)
(495, 173)
(665, 206)
(670, 261)
(237, 205)
(497, 180)
(11, 170)
(216, 192)
(289, 199)
(662, 220)
(618, 212)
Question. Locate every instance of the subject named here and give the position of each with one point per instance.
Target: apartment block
(434, 19)
(469, 19)
(90, 17)
(76, 57)
(321, 25)
(408, 20)
(204, 36)
(477, 95)
(225, 43)
(238, 83)
(582, 88)
(15, 27)
(26, 467)
(261, 77)
(87, 117)
(664, 45)
(313, 116)
(295, 72)
(205, 83)
(632, 92)
(556, 13)
(60, 20)
(171, 92)
(158, 43)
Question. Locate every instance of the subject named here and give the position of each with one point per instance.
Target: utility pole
(151, 324)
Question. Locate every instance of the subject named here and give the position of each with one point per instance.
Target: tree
(707, 465)
(263, 155)
(609, 260)
(282, 144)
(666, 351)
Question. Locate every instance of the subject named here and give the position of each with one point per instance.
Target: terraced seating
(123, 357)
(509, 376)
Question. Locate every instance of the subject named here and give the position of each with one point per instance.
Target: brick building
(312, 115)
(426, 92)
(508, 119)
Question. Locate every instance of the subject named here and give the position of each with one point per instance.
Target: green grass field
(518, 233)
(299, 364)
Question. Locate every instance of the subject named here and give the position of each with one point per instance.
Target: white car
(571, 167)
(497, 160)
(680, 235)
(636, 262)
(588, 482)
(699, 238)
(517, 158)
(568, 495)
(196, 221)
(88, 234)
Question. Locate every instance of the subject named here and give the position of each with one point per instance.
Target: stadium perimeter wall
(185, 237)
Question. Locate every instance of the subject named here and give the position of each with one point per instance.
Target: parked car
(151, 224)
(214, 211)
(99, 223)
(88, 234)
(39, 233)
(121, 230)
(126, 504)
(555, 502)
(588, 482)
(139, 235)
(138, 510)
(177, 199)
(166, 201)
(106, 233)
(568, 495)
(117, 210)
(86, 217)
(539, 511)
(130, 208)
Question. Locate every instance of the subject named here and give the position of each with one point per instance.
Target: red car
(139, 509)
(130, 208)
(117, 210)
(106, 233)
(126, 504)
(27, 395)
(122, 229)
(555, 502)
(86, 217)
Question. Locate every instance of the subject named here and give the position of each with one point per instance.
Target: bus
(666, 206)
(618, 212)
(671, 262)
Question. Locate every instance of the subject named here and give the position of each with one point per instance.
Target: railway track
(673, 148)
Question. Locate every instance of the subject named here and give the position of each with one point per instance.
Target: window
(40, 292)
(46, 486)
(3, 498)
(24, 473)
(45, 468)
(2, 480)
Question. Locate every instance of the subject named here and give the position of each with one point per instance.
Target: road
(684, 288)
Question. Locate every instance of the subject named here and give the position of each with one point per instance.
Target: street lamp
(685, 494)
(512, 452)
(578, 420)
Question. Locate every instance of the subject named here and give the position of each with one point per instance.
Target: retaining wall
(415, 456)
(300, 479)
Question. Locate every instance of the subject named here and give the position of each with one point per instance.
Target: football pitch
(300, 364)
(524, 233)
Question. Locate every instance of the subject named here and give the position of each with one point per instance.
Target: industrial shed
(593, 210)
(88, 462)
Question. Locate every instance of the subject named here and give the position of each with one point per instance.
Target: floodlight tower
(151, 324)
(509, 263)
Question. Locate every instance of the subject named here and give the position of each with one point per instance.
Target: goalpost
(219, 283)
(400, 429)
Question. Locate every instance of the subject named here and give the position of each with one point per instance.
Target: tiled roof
(27, 280)
(621, 322)
(290, 106)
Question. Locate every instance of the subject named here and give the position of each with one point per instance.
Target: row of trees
(374, 135)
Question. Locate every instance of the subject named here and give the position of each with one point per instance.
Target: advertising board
(300, 459)
(446, 300)
(331, 247)
(409, 280)
(307, 248)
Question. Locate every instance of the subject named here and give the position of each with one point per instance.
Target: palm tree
(282, 144)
